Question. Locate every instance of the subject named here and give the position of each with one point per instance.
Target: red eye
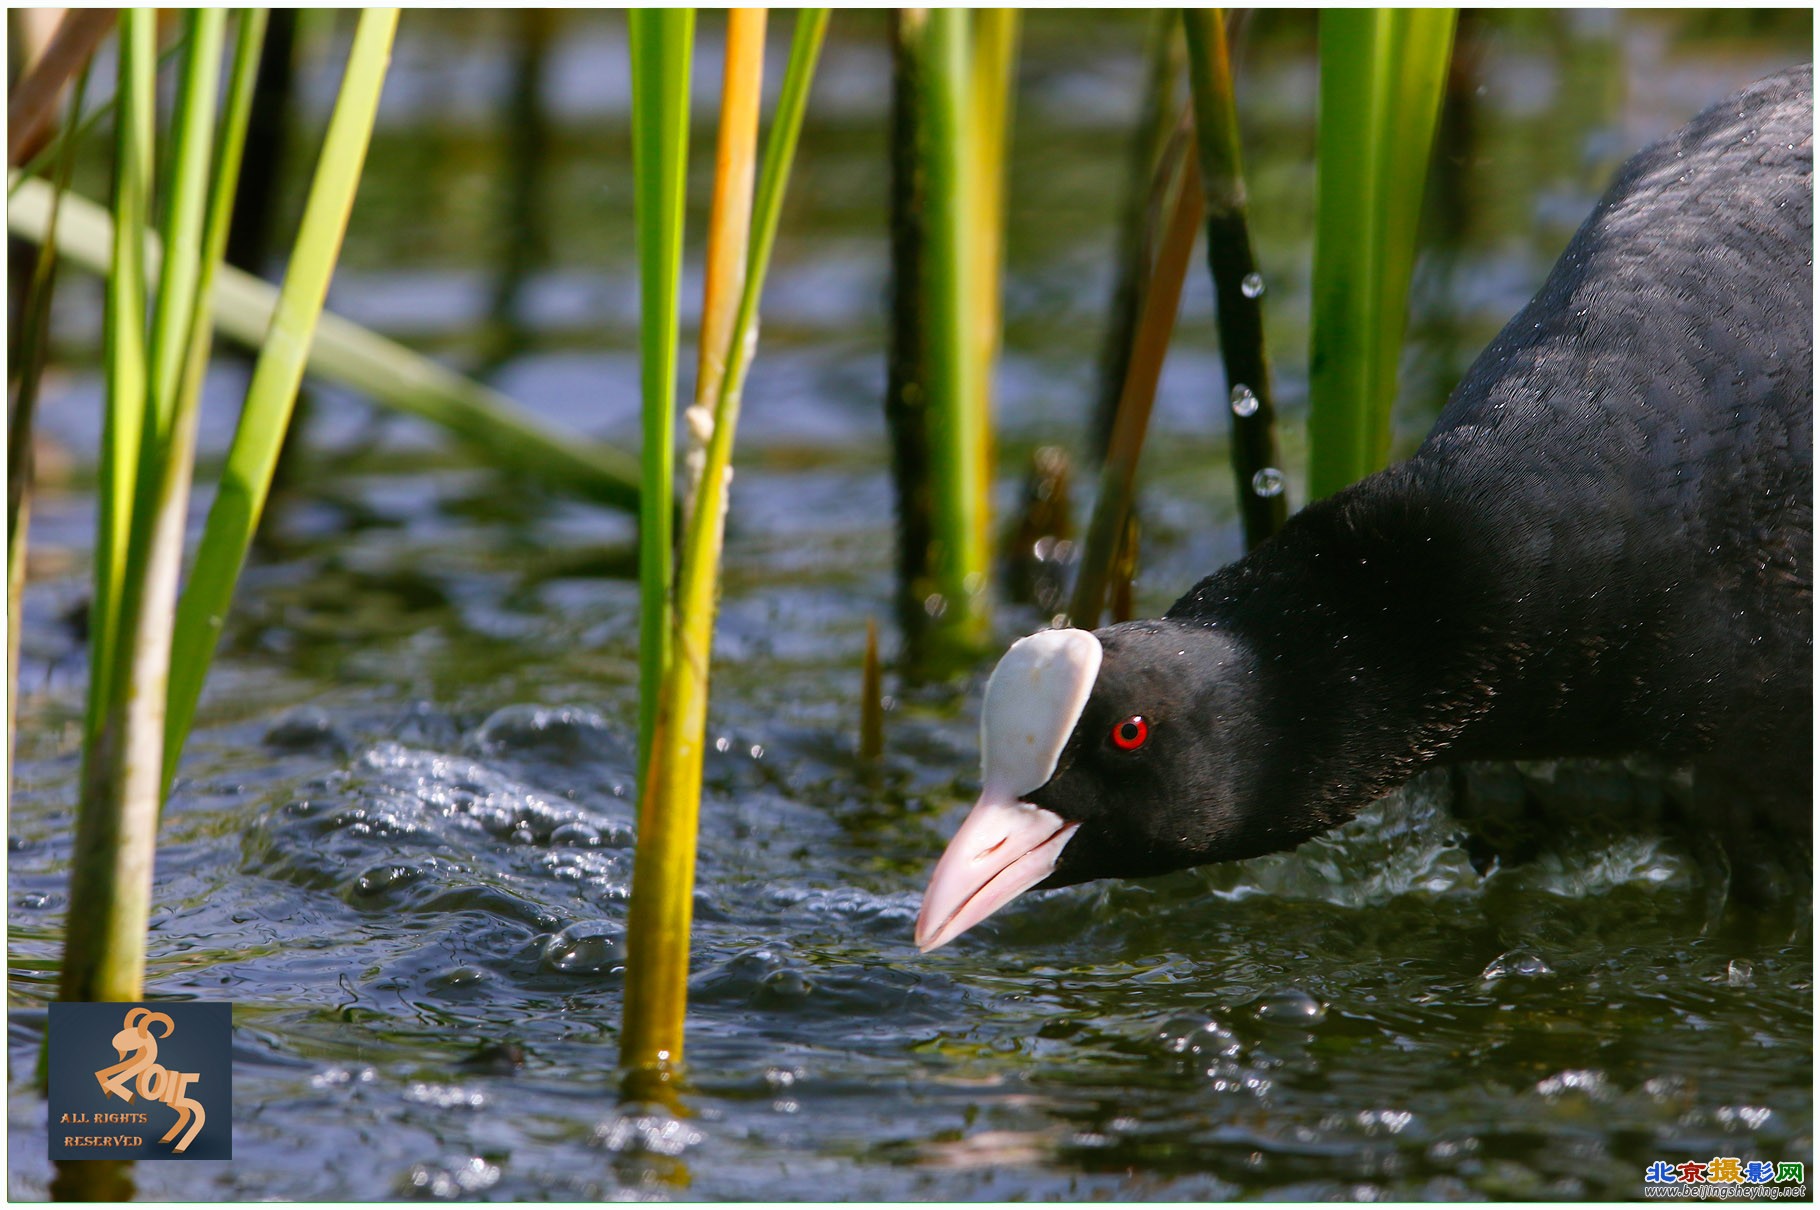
(1130, 734)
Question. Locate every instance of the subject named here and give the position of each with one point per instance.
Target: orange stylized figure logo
(153, 1081)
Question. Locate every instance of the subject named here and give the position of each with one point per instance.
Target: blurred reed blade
(991, 95)
(659, 918)
(1237, 285)
(117, 816)
(246, 477)
(660, 43)
(906, 403)
(933, 402)
(1139, 219)
(1118, 474)
(32, 109)
(41, 158)
(497, 429)
(1382, 72)
(961, 560)
(29, 349)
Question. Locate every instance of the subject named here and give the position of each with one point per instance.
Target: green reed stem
(1382, 72)
(111, 866)
(991, 95)
(658, 924)
(660, 42)
(246, 477)
(959, 563)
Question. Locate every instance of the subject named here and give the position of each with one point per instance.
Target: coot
(1604, 547)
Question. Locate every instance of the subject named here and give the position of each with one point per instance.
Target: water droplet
(723, 744)
(1520, 963)
(1252, 286)
(1244, 402)
(591, 948)
(1268, 482)
(1738, 972)
(935, 605)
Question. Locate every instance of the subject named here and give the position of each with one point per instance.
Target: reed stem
(30, 350)
(660, 43)
(1237, 284)
(1382, 72)
(1140, 216)
(247, 475)
(1118, 474)
(494, 427)
(116, 819)
(660, 915)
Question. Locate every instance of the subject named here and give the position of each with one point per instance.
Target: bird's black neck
(1377, 646)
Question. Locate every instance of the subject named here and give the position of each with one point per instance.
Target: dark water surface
(401, 843)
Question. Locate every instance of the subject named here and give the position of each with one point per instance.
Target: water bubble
(579, 835)
(381, 879)
(1290, 1005)
(935, 605)
(1252, 286)
(459, 977)
(457, 1180)
(1738, 972)
(1520, 963)
(723, 744)
(783, 987)
(590, 948)
(445, 1096)
(1244, 401)
(1268, 482)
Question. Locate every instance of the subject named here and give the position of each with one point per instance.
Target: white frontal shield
(1006, 846)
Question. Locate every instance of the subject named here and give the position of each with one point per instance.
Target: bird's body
(1603, 547)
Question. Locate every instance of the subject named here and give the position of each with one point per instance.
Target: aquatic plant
(30, 346)
(663, 880)
(945, 264)
(1237, 284)
(496, 428)
(1382, 72)
(147, 662)
(1162, 296)
(660, 44)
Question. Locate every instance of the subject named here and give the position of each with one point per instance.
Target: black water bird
(1604, 547)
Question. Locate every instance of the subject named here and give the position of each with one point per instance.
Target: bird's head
(1119, 753)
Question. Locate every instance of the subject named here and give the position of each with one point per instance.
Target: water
(401, 842)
